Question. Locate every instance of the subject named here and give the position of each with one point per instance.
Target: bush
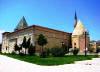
(45, 53)
(13, 53)
(66, 48)
(21, 54)
(31, 50)
(97, 50)
(57, 52)
(75, 51)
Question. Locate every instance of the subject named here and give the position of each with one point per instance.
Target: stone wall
(79, 42)
(10, 39)
(54, 38)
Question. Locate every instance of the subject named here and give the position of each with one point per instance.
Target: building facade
(93, 45)
(80, 36)
(54, 37)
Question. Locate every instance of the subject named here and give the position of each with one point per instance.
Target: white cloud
(1, 31)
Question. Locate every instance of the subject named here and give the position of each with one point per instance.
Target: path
(12, 65)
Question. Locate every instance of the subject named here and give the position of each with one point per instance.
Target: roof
(79, 29)
(22, 24)
(33, 26)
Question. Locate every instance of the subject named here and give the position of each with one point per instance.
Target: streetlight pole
(85, 45)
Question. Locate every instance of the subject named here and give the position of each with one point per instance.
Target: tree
(24, 43)
(28, 43)
(42, 41)
(16, 47)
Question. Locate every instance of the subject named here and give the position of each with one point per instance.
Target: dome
(79, 29)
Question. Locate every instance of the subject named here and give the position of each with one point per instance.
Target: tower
(80, 38)
(22, 24)
(75, 18)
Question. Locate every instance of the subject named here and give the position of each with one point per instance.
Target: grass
(52, 60)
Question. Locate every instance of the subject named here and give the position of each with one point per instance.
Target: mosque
(79, 38)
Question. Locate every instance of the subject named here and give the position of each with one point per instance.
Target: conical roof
(22, 24)
(79, 29)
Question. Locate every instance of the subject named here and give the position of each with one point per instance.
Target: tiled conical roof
(22, 24)
(79, 29)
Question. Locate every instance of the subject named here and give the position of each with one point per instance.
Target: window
(74, 43)
(6, 47)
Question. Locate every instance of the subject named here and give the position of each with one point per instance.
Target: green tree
(16, 47)
(42, 41)
(24, 43)
(28, 43)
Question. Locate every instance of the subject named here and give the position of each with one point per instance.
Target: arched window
(74, 44)
(6, 47)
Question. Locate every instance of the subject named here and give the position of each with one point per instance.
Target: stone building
(93, 45)
(80, 36)
(54, 37)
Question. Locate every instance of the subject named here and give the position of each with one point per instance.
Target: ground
(12, 65)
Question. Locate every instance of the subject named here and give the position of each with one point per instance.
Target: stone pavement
(12, 65)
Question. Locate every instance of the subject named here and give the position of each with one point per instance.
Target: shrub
(16, 47)
(91, 50)
(57, 52)
(45, 53)
(13, 53)
(66, 49)
(21, 54)
(31, 50)
(97, 50)
(75, 51)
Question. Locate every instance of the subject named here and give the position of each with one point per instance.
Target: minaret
(75, 23)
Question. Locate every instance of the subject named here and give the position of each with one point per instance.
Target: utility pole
(85, 45)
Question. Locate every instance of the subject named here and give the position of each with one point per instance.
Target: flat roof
(36, 26)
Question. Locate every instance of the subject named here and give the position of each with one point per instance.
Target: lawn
(52, 60)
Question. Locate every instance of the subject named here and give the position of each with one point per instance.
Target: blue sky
(56, 14)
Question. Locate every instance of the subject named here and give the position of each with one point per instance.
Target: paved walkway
(12, 65)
